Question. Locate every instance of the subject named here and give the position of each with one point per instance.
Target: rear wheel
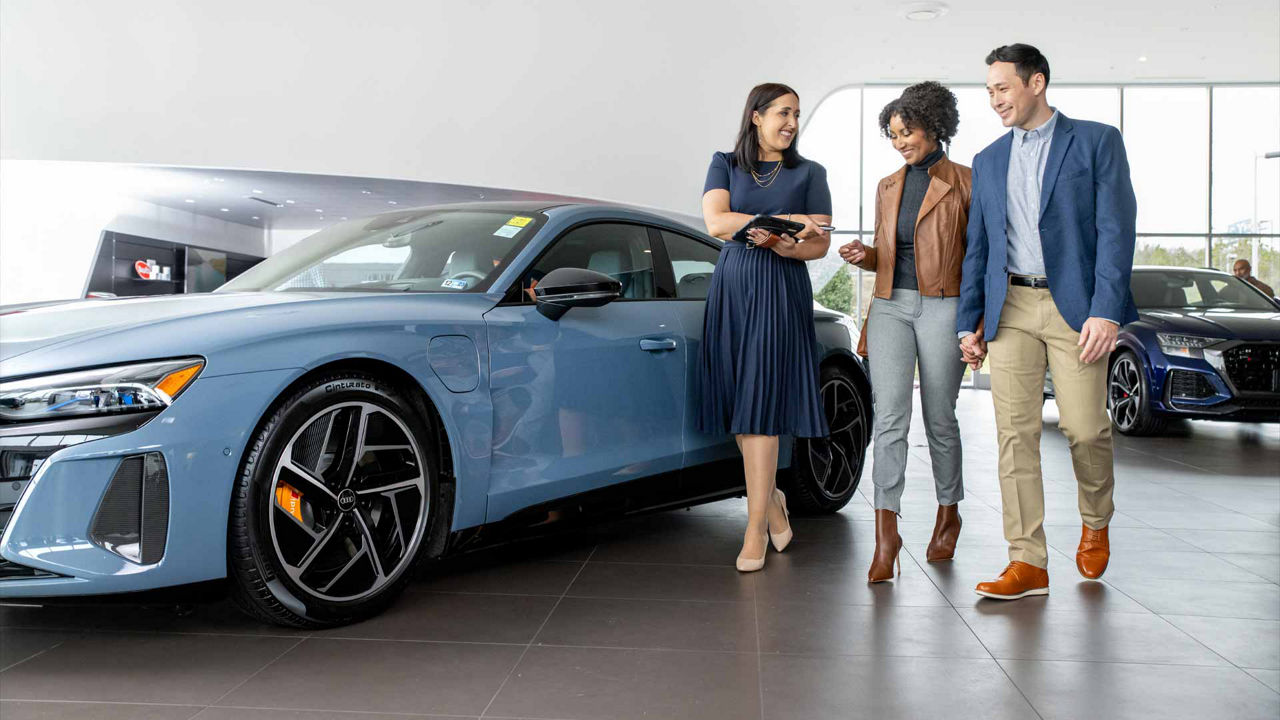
(1129, 397)
(332, 504)
(824, 472)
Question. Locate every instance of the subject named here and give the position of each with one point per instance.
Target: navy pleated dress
(757, 372)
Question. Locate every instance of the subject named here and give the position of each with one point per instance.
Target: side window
(620, 251)
(693, 262)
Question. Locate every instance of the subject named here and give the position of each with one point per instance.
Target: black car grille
(1189, 385)
(1254, 368)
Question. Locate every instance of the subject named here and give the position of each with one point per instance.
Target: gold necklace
(766, 179)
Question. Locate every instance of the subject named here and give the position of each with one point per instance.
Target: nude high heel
(782, 539)
(746, 564)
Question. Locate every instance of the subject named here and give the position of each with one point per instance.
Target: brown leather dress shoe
(888, 547)
(1094, 552)
(1017, 581)
(946, 530)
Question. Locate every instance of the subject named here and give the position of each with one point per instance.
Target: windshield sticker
(507, 231)
(455, 284)
(520, 221)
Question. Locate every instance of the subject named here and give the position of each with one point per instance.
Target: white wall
(622, 101)
(52, 215)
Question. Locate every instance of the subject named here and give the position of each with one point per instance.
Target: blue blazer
(1087, 228)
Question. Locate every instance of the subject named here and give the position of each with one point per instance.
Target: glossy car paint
(500, 377)
(1223, 323)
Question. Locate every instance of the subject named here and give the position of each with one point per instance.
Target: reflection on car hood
(82, 333)
(1225, 323)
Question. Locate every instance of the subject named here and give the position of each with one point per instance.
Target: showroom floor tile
(646, 617)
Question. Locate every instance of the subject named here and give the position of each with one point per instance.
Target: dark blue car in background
(1206, 347)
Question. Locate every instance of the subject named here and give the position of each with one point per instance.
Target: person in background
(1243, 270)
(1051, 239)
(757, 372)
(921, 213)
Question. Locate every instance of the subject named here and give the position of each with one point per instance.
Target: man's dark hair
(747, 147)
(1027, 61)
(929, 107)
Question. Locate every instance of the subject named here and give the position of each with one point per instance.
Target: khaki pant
(1031, 333)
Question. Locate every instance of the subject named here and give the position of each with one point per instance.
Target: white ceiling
(571, 97)
(294, 201)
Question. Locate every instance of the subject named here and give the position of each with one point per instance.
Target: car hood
(82, 333)
(1225, 323)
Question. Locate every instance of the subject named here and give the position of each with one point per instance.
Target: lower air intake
(132, 519)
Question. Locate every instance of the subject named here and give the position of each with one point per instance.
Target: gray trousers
(901, 331)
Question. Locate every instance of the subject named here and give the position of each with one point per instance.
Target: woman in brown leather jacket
(921, 214)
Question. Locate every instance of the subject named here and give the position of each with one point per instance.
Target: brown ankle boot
(946, 530)
(888, 547)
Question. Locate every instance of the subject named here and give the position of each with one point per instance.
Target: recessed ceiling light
(321, 217)
(391, 202)
(224, 209)
(319, 210)
(189, 200)
(219, 180)
(366, 192)
(289, 201)
(924, 11)
(257, 191)
(344, 217)
(1142, 58)
(255, 217)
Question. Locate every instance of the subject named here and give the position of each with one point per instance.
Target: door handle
(649, 345)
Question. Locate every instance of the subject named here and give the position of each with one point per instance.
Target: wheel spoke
(312, 480)
(318, 547)
(392, 488)
(341, 573)
(369, 545)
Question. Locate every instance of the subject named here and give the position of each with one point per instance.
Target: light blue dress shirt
(1028, 155)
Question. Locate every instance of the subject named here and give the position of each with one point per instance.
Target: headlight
(139, 387)
(1184, 345)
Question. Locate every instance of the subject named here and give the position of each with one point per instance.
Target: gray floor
(648, 619)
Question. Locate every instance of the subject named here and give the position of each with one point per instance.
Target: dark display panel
(130, 265)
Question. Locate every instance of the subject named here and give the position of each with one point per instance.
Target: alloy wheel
(1125, 393)
(837, 461)
(348, 502)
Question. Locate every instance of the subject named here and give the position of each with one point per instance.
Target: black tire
(1129, 397)
(340, 533)
(825, 472)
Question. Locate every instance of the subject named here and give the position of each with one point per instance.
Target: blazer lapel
(1057, 152)
(1000, 176)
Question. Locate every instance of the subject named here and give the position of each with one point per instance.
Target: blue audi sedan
(391, 389)
(1205, 347)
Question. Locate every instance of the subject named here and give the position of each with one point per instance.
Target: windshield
(424, 250)
(1190, 289)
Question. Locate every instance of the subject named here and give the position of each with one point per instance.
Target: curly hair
(927, 106)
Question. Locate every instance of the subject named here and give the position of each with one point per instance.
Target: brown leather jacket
(940, 233)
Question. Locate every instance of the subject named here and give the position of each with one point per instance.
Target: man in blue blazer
(1046, 281)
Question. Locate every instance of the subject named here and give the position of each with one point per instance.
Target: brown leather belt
(1031, 281)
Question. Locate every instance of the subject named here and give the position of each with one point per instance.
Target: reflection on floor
(648, 619)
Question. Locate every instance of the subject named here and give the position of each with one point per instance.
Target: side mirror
(566, 288)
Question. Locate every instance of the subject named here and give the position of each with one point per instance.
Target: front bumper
(1203, 389)
(201, 438)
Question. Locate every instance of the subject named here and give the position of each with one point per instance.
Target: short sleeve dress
(757, 371)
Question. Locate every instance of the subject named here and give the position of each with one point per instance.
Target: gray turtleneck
(914, 188)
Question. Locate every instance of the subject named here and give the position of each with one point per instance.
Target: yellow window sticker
(519, 221)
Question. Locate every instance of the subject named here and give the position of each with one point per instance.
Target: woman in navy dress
(757, 374)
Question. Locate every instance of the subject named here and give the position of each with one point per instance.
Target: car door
(592, 399)
(692, 262)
